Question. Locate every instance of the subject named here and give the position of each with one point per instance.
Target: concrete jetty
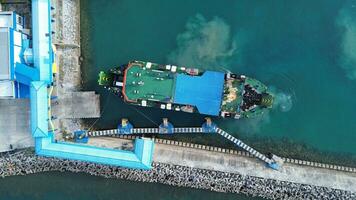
(232, 161)
(72, 105)
(218, 161)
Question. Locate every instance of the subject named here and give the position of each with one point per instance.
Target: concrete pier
(73, 105)
(232, 161)
(193, 157)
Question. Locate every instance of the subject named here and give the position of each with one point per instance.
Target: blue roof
(39, 109)
(141, 158)
(42, 49)
(204, 92)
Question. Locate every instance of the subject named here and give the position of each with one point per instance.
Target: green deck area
(142, 83)
(256, 84)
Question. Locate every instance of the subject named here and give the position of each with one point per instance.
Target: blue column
(41, 36)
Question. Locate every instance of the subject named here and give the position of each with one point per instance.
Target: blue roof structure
(13, 42)
(204, 92)
(141, 158)
(39, 109)
(42, 40)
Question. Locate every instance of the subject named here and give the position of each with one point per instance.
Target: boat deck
(142, 83)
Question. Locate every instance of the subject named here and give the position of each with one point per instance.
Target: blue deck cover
(204, 92)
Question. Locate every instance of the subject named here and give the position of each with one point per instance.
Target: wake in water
(209, 44)
(347, 21)
(204, 44)
(283, 101)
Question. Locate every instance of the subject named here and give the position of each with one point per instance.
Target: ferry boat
(187, 89)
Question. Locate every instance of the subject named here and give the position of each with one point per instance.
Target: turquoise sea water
(304, 50)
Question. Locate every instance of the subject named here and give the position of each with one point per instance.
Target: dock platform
(78, 105)
(195, 156)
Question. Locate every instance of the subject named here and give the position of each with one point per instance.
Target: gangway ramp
(244, 146)
(140, 131)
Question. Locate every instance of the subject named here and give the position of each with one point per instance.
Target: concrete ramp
(15, 124)
(78, 105)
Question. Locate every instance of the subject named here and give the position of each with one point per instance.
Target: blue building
(14, 45)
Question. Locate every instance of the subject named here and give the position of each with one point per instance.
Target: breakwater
(24, 162)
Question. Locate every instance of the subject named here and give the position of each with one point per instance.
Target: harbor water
(304, 51)
(69, 186)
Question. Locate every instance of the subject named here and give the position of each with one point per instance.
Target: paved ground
(252, 167)
(121, 144)
(72, 102)
(73, 105)
(204, 159)
(14, 124)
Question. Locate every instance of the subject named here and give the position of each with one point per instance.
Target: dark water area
(303, 50)
(72, 186)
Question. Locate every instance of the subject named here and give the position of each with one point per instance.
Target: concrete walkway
(77, 105)
(15, 124)
(203, 159)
